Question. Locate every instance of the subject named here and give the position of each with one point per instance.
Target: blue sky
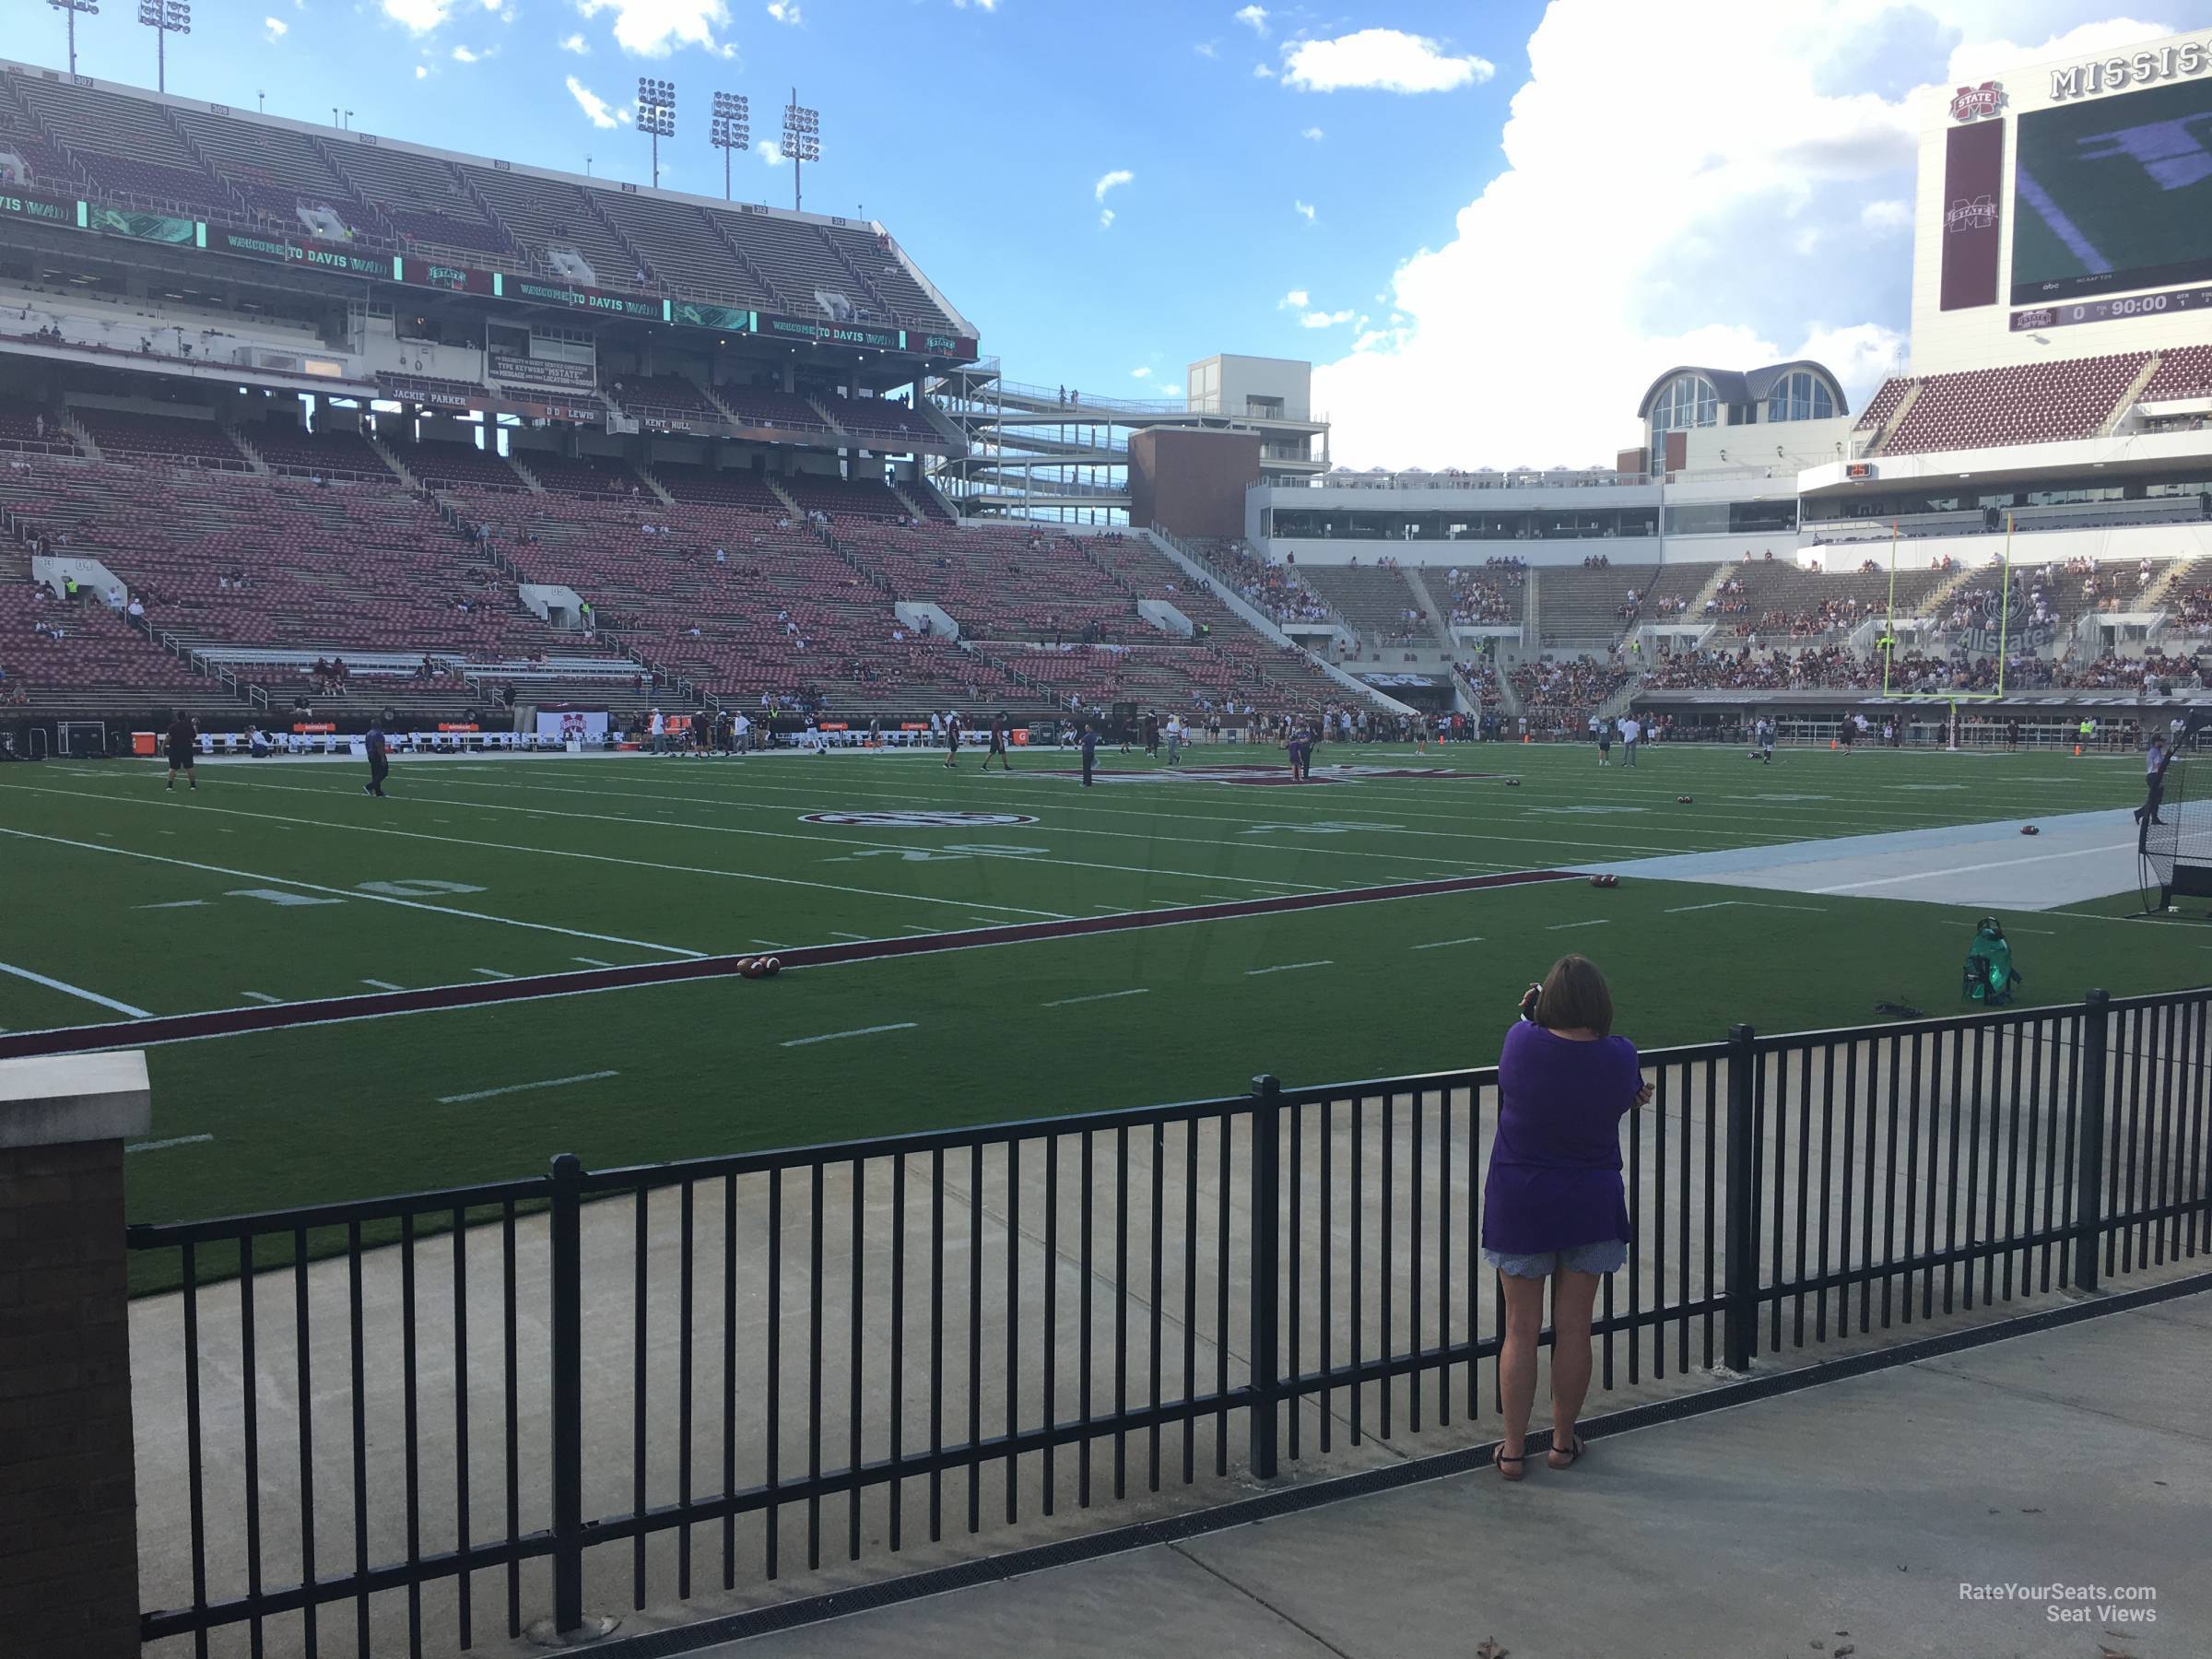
(1491, 224)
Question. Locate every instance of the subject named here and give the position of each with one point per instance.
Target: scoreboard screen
(2113, 194)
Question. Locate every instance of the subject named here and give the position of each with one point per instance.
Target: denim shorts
(1607, 1256)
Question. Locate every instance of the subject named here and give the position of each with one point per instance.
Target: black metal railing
(625, 1385)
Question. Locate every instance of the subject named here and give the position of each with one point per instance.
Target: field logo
(1981, 214)
(1974, 103)
(919, 820)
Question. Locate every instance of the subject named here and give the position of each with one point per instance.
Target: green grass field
(280, 882)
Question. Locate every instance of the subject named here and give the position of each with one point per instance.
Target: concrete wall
(1220, 385)
(1193, 483)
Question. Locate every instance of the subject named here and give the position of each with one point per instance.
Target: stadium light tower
(165, 18)
(802, 139)
(656, 116)
(70, 8)
(732, 130)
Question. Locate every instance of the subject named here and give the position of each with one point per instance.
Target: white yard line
(1561, 927)
(1994, 864)
(904, 1025)
(163, 1146)
(261, 996)
(486, 1094)
(1069, 1002)
(491, 846)
(1440, 944)
(436, 909)
(1683, 909)
(384, 984)
(587, 961)
(1289, 967)
(55, 984)
(175, 904)
(493, 973)
(864, 937)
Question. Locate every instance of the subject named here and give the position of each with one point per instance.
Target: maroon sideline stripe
(231, 1023)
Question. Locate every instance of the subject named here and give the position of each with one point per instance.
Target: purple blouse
(1554, 1180)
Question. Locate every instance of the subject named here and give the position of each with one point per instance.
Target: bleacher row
(2029, 402)
(138, 151)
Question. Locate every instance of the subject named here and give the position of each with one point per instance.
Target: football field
(342, 996)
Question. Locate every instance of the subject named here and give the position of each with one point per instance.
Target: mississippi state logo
(1973, 103)
(918, 820)
(1981, 214)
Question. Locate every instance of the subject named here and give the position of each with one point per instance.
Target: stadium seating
(1882, 406)
(844, 498)
(667, 397)
(284, 172)
(2184, 374)
(681, 244)
(728, 487)
(759, 406)
(445, 466)
(1558, 695)
(179, 439)
(879, 417)
(25, 425)
(332, 454)
(99, 660)
(1586, 602)
(582, 475)
(543, 214)
(2033, 403)
(1376, 602)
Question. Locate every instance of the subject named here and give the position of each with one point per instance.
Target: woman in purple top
(1553, 1203)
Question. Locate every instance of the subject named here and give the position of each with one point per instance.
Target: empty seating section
(667, 397)
(456, 465)
(877, 417)
(419, 196)
(726, 487)
(542, 214)
(581, 475)
(160, 438)
(20, 136)
(1882, 405)
(273, 169)
(798, 263)
(1378, 603)
(1588, 602)
(679, 244)
(763, 406)
(999, 583)
(2033, 403)
(844, 498)
(336, 454)
(123, 146)
(98, 659)
(277, 563)
(31, 426)
(883, 271)
(2184, 374)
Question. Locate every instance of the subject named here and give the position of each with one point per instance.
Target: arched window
(1687, 400)
(1800, 396)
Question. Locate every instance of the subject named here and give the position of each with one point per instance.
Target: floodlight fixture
(802, 140)
(70, 8)
(656, 115)
(732, 130)
(165, 18)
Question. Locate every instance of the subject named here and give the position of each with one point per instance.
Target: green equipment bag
(1990, 975)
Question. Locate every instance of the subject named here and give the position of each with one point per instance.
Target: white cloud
(1382, 60)
(989, 6)
(786, 11)
(1140, 374)
(1255, 17)
(595, 108)
(418, 15)
(770, 151)
(461, 55)
(1296, 300)
(656, 28)
(577, 44)
(1105, 218)
(277, 27)
(1685, 270)
(1304, 210)
(1314, 133)
(1120, 175)
(1319, 319)
(422, 72)
(1883, 217)
(1206, 49)
(1261, 72)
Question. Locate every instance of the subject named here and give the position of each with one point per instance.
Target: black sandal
(1574, 1454)
(1499, 1460)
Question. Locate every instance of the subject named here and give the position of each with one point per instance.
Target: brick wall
(68, 1527)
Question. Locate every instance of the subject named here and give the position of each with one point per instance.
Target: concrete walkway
(1848, 1518)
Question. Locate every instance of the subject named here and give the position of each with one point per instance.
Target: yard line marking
(1994, 864)
(491, 973)
(261, 996)
(486, 1094)
(1288, 966)
(1069, 1002)
(904, 1025)
(436, 909)
(481, 845)
(163, 1146)
(835, 935)
(385, 985)
(1440, 944)
(1558, 926)
(1115, 909)
(918, 927)
(55, 984)
(1683, 909)
(174, 904)
(213, 1023)
(591, 961)
(771, 944)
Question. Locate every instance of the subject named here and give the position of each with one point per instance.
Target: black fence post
(567, 1364)
(2088, 1180)
(1266, 1237)
(1742, 1287)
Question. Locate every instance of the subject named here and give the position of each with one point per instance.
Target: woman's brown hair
(1575, 997)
